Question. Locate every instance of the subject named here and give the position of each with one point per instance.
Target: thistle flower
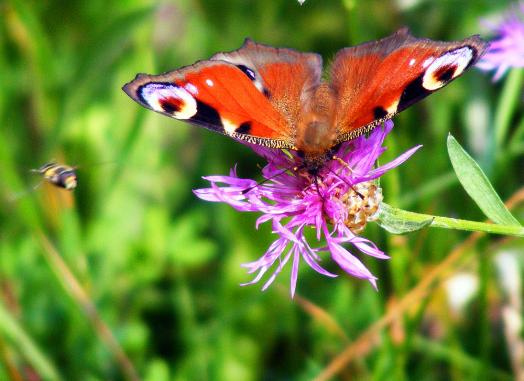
(336, 203)
(507, 48)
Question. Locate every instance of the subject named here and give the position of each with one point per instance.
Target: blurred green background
(131, 277)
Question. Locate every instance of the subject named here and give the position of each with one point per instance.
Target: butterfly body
(276, 97)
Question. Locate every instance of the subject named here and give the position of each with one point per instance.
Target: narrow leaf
(477, 185)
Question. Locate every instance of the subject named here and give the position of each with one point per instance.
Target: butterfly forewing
(374, 81)
(216, 95)
(285, 76)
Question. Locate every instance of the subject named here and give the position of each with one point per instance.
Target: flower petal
(348, 262)
(294, 272)
(373, 174)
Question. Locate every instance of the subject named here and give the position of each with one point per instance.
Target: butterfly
(277, 97)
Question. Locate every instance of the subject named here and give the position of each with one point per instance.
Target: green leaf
(477, 185)
(398, 221)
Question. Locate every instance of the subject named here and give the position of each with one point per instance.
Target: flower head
(337, 201)
(507, 48)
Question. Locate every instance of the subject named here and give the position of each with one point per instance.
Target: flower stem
(452, 223)
(509, 101)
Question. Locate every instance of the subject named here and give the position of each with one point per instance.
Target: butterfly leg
(351, 170)
(247, 190)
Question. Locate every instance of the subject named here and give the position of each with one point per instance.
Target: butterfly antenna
(247, 190)
(348, 184)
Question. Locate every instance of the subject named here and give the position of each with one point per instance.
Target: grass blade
(10, 328)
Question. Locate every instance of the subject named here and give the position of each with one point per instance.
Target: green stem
(508, 103)
(517, 139)
(454, 223)
(410, 221)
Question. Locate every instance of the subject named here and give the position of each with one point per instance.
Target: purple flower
(507, 48)
(336, 203)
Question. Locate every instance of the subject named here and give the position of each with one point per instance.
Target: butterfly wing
(251, 94)
(285, 76)
(376, 80)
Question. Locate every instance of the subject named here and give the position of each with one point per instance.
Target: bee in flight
(60, 175)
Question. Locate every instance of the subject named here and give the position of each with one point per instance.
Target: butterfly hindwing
(376, 80)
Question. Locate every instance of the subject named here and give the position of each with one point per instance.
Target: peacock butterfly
(276, 97)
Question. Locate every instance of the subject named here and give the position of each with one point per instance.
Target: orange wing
(375, 80)
(252, 94)
(287, 77)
